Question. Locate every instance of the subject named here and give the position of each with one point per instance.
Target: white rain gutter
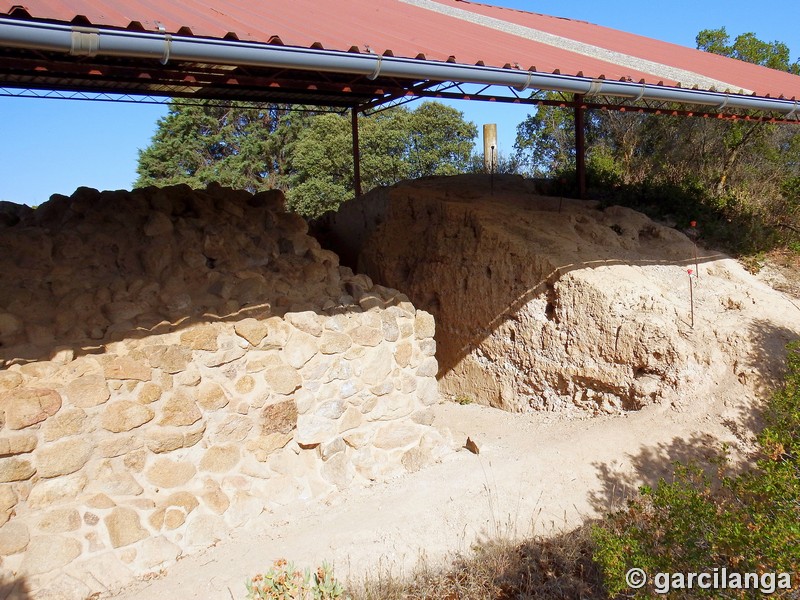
(91, 41)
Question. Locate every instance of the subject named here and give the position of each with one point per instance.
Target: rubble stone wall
(173, 363)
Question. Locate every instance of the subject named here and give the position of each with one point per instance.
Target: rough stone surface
(179, 409)
(88, 390)
(175, 362)
(167, 473)
(60, 520)
(253, 330)
(14, 538)
(47, 492)
(124, 527)
(66, 423)
(280, 417)
(63, 457)
(283, 380)
(203, 337)
(48, 553)
(25, 407)
(212, 396)
(220, 459)
(125, 367)
(15, 469)
(542, 304)
(157, 552)
(125, 415)
(17, 444)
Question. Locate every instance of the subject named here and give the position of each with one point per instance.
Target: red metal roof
(441, 30)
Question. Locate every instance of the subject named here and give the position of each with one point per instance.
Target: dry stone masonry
(173, 363)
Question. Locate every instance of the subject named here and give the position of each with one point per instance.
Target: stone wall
(176, 362)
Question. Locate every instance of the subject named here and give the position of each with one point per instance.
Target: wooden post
(356, 153)
(580, 145)
(490, 147)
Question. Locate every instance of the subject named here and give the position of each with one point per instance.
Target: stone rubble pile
(176, 362)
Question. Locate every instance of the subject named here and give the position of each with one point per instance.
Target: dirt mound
(557, 304)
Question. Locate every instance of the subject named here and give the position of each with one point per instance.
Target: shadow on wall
(607, 284)
(14, 589)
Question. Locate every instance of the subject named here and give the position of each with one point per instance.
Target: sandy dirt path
(535, 473)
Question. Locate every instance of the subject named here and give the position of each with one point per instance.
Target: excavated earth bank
(553, 304)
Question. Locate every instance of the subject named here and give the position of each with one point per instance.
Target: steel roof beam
(92, 41)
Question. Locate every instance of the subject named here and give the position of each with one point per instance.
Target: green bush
(728, 222)
(699, 522)
(283, 582)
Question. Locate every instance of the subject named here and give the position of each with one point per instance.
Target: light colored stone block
(14, 537)
(24, 407)
(61, 520)
(201, 337)
(63, 457)
(233, 428)
(48, 553)
(220, 459)
(125, 367)
(179, 409)
(125, 415)
(332, 342)
(299, 349)
(48, 492)
(124, 527)
(68, 421)
(283, 380)
(168, 473)
(211, 396)
(158, 552)
(21, 443)
(14, 468)
(253, 330)
(314, 429)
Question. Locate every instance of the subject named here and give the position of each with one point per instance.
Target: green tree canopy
(235, 145)
(747, 47)
(741, 167)
(307, 154)
(395, 144)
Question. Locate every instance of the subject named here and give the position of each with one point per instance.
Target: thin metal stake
(694, 241)
(691, 295)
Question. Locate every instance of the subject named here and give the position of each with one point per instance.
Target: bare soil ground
(535, 474)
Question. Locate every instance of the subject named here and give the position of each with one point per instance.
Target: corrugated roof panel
(438, 29)
(745, 75)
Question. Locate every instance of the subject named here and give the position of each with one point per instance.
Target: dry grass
(559, 567)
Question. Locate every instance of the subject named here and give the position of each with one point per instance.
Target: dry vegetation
(552, 568)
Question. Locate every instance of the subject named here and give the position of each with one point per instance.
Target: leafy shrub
(463, 399)
(748, 523)
(284, 582)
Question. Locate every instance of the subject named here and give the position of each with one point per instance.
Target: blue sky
(54, 146)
